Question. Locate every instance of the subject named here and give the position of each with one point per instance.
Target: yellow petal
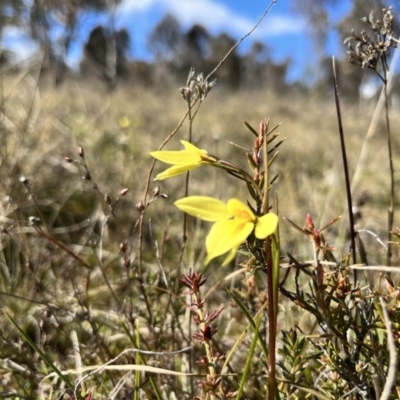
(240, 210)
(266, 225)
(226, 235)
(176, 170)
(231, 255)
(177, 157)
(191, 147)
(206, 208)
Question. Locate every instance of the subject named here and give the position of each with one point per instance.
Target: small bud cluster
(141, 206)
(203, 319)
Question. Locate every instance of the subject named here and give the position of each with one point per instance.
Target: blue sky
(282, 30)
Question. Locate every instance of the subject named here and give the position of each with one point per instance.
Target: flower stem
(207, 346)
(391, 168)
(270, 280)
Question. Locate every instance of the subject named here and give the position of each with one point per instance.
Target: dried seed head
(107, 199)
(123, 192)
(368, 51)
(197, 87)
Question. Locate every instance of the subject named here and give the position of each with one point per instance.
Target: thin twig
(273, 2)
(391, 168)
(185, 216)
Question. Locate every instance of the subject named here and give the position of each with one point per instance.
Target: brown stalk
(345, 169)
(270, 280)
(391, 168)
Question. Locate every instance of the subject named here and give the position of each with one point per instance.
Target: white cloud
(19, 43)
(216, 17)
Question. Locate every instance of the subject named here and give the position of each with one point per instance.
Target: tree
(166, 40)
(105, 54)
(230, 74)
(177, 51)
(197, 44)
(40, 17)
(318, 18)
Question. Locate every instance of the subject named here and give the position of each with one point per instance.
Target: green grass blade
(137, 362)
(143, 362)
(251, 322)
(249, 359)
(239, 340)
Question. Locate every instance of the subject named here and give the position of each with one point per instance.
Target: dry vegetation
(73, 293)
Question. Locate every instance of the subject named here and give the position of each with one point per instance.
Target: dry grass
(56, 295)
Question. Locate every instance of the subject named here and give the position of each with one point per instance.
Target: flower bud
(262, 128)
(156, 191)
(140, 206)
(309, 223)
(24, 180)
(81, 152)
(123, 246)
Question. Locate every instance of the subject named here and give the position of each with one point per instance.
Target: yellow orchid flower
(182, 161)
(234, 222)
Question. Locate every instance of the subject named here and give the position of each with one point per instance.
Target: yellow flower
(182, 161)
(234, 222)
(124, 122)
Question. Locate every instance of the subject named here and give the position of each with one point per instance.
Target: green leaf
(252, 323)
(249, 359)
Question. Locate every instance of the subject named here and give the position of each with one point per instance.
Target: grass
(71, 292)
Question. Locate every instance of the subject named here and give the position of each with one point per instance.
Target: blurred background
(148, 41)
